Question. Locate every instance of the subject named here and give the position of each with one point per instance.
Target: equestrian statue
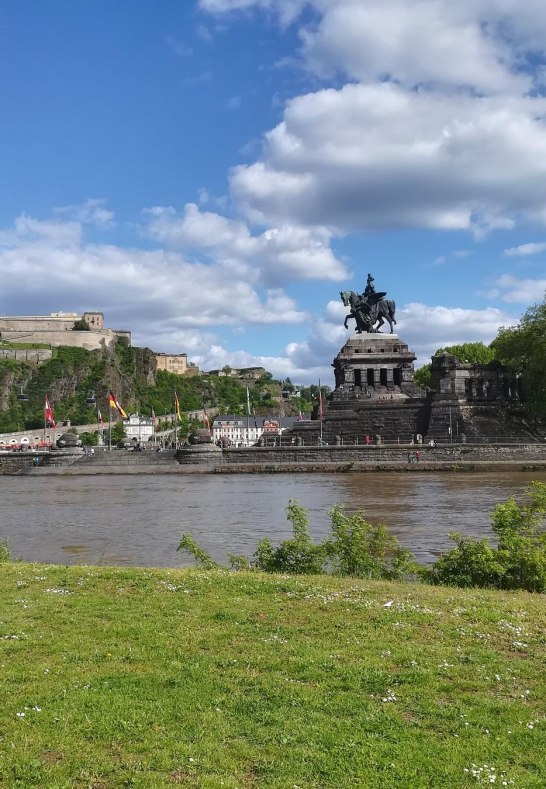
(370, 310)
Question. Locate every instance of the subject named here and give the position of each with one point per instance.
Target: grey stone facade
(375, 396)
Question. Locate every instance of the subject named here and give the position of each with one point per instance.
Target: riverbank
(118, 677)
(290, 459)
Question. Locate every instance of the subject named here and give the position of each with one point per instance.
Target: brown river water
(138, 520)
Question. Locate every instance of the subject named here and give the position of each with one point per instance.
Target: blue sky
(211, 173)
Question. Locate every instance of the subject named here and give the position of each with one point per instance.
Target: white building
(245, 433)
(139, 427)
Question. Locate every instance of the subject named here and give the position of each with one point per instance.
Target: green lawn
(114, 677)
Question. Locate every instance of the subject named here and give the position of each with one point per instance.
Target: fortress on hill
(58, 329)
(77, 330)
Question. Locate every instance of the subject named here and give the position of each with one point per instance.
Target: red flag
(48, 413)
(320, 407)
(206, 420)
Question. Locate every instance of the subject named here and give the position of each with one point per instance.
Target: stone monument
(376, 399)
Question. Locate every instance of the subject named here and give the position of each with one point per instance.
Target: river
(138, 520)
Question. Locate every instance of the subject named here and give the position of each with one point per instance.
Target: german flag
(113, 402)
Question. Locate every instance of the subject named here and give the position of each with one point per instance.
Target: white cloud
(439, 125)
(29, 231)
(478, 43)
(285, 10)
(426, 328)
(380, 156)
(520, 291)
(414, 43)
(274, 257)
(92, 212)
(46, 266)
(526, 249)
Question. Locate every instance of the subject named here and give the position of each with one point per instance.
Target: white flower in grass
(389, 697)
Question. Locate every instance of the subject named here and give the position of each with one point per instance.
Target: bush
(299, 555)
(518, 561)
(354, 548)
(5, 553)
(359, 549)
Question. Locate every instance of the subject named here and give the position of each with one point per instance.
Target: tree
(469, 352)
(89, 439)
(81, 325)
(523, 349)
(118, 432)
(423, 377)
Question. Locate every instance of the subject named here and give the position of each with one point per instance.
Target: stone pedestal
(374, 366)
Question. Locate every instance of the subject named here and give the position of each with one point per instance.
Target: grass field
(114, 677)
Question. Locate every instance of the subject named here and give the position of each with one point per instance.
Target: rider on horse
(368, 304)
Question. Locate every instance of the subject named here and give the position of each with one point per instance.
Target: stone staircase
(118, 461)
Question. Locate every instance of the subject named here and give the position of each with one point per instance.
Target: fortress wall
(90, 340)
(26, 355)
(38, 323)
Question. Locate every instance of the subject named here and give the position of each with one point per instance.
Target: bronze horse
(370, 313)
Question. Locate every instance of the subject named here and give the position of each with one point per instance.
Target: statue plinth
(373, 365)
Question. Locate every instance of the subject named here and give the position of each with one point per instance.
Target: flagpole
(45, 420)
(109, 428)
(247, 418)
(175, 421)
(99, 439)
(320, 409)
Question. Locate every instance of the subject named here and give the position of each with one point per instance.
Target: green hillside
(130, 373)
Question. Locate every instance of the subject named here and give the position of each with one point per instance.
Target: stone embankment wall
(286, 459)
(447, 454)
(16, 462)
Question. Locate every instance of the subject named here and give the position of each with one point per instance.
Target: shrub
(203, 560)
(359, 549)
(353, 548)
(518, 561)
(5, 553)
(299, 555)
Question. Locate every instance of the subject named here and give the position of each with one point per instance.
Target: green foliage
(518, 561)
(470, 352)
(299, 555)
(118, 432)
(89, 439)
(203, 560)
(362, 550)
(5, 553)
(423, 377)
(81, 325)
(239, 563)
(72, 372)
(523, 349)
(354, 548)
